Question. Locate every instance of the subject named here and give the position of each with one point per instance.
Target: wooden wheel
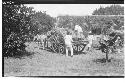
(75, 47)
(54, 47)
(61, 49)
(81, 48)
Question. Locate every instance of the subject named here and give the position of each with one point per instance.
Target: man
(90, 38)
(68, 43)
(78, 30)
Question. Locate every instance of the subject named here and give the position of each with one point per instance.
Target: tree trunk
(107, 52)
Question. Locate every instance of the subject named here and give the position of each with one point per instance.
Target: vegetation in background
(97, 24)
(112, 10)
(20, 23)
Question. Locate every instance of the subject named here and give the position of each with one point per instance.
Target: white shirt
(78, 28)
(105, 38)
(68, 40)
(90, 38)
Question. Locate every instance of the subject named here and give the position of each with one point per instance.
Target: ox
(41, 40)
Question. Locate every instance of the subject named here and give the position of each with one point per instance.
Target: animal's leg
(43, 45)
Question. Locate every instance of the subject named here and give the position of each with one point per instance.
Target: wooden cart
(78, 46)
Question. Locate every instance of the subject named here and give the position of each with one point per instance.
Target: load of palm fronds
(55, 39)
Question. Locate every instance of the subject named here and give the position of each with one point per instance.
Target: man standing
(90, 39)
(79, 31)
(68, 43)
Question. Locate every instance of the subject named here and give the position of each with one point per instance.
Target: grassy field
(44, 63)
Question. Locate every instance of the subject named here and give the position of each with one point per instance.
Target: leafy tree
(15, 28)
(20, 24)
(41, 23)
(112, 10)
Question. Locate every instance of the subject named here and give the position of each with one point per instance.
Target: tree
(41, 22)
(20, 23)
(15, 28)
(112, 10)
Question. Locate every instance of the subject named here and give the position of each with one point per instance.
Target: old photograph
(62, 40)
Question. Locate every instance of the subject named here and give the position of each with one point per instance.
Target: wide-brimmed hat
(90, 32)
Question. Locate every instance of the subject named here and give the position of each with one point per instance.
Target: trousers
(69, 48)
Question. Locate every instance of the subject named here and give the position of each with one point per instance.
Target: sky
(55, 10)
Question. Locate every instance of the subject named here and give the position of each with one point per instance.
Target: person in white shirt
(90, 39)
(68, 43)
(78, 30)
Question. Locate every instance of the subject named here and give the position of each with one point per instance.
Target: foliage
(15, 28)
(21, 23)
(112, 10)
(41, 23)
(96, 24)
(18, 27)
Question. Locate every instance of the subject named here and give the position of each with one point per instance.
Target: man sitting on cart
(78, 31)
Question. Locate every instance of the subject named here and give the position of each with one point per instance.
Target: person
(68, 43)
(90, 39)
(78, 30)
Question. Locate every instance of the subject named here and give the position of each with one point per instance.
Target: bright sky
(67, 9)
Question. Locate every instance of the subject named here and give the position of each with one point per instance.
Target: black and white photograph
(62, 40)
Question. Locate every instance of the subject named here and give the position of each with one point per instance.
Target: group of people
(69, 39)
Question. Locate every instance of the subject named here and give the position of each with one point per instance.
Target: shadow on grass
(102, 60)
(22, 55)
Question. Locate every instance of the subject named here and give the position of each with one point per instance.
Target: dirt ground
(44, 63)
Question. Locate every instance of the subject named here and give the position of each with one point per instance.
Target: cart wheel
(75, 47)
(54, 47)
(80, 47)
(61, 49)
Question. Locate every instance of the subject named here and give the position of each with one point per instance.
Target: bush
(18, 27)
(14, 46)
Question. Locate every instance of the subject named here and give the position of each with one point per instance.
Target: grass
(44, 63)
